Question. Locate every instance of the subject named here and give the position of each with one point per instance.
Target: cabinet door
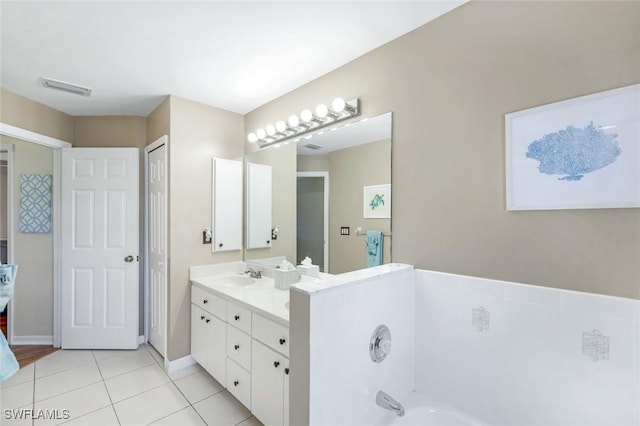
(267, 381)
(199, 342)
(227, 205)
(216, 336)
(258, 206)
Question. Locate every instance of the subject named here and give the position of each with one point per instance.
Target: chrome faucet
(253, 274)
(386, 402)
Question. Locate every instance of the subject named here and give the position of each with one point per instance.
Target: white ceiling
(233, 55)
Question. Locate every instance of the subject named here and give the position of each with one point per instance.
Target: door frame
(324, 175)
(163, 140)
(56, 144)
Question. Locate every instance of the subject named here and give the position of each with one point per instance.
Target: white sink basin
(233, 281)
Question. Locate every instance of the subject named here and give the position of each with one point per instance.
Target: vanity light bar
(306, 122)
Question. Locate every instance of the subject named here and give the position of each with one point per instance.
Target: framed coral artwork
(376, 202)
(582, 153)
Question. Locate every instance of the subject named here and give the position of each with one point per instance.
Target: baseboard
(32, 340)
(141, 340)
(178, 364)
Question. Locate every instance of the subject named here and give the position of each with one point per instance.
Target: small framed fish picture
(377, 202)
(581, 153)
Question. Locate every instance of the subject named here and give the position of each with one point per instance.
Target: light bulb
(306, 115)
(294, 121)
(338, 105)
(281, 126)
(308, 137)
(271, 130)
(261, 133)
(252, 137)
(322, 111)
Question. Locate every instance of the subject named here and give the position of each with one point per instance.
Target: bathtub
(420, 410)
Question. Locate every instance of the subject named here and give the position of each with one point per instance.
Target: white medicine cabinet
(227, 205)
(258, 206)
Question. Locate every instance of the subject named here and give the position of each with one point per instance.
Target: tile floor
(104, 388)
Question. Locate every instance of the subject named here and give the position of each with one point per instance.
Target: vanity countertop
(261, 297)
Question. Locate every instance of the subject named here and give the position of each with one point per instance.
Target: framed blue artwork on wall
(582, 153)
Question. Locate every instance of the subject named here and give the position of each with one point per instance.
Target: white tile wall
(528, 368)
(343, 379)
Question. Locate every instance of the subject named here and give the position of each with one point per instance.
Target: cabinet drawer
(239, 347)
(271, 334)
(239, 383)
(210, 303)
(239, 317)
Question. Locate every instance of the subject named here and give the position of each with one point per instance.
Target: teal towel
(374, 240)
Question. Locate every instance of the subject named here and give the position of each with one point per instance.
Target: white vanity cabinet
(270, 372)
(209, 333)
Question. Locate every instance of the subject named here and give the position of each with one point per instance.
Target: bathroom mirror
(321, 187)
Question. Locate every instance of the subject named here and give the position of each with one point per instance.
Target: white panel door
(157, 249)
(100, 248)
(227, 205)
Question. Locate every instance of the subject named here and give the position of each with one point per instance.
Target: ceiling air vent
(66, 87)
(312, 146)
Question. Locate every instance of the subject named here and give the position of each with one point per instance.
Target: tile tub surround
(546, 357)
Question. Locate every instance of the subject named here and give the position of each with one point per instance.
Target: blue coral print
(377, 201)
(574, 152)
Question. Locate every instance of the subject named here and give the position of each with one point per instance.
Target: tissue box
(312, 270)
(283, 279)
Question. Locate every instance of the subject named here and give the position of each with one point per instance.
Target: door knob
(128, 259)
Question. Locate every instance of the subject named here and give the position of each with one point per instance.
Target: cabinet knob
(208, 320)
(201, 317)
(268, 241)
(205, 301)
(276, 364)
(220, 245)
(236, 383)
(237, 317)
(286, 370)
(282, 341)
(236, 347)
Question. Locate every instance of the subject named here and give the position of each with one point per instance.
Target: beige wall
(197, 134)
(449, 84)
(350, 170)
(283, 200)
(3, 200)
(21, 112)
(159, 121)
(33, 252)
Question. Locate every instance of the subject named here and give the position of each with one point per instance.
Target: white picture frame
(376, 202)
(582, 153)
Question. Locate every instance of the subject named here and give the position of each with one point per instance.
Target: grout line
(33, 399)
(105, 387)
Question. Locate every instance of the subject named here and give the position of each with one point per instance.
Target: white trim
(29, 136)
(142, 340)
(9, 148)
(324, 175)
(57, 248)
(163, 140)
(56, 144)
(32, 340)
(178, 364)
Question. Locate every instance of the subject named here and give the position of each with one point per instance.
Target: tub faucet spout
(386, 402)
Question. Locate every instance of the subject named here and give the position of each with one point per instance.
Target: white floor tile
(198, 386)
(23, 375)
(17, 395)
(154, 353)
(66, 381)
(150, 406)
(186, 417)
(251, 421)
(63, 360)
(124, 363)
(103, 417)
(135, 382)
(222, 409)
(194, 368)
(102, 354)
(79, 402)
